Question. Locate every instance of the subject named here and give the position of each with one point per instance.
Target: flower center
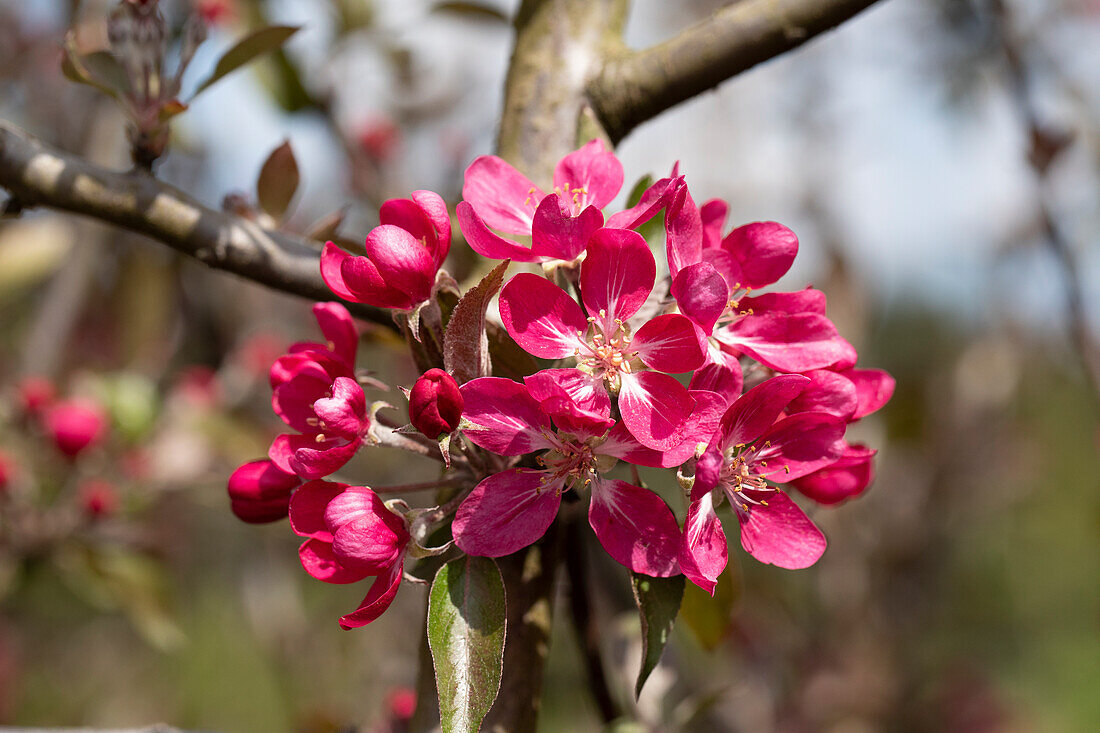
(740, 483)
(606, 354)
(570, 463)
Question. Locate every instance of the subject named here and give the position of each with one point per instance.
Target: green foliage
(708, 618)
(466, 628)
(658, 601)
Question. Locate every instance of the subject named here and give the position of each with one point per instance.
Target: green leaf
(474, 11)
(639, 188)
(465, 344)
(99, 69)
(325, 228)
(466, 623)
(658, 601)
(708, 618)
(248, 48)
(278, 181)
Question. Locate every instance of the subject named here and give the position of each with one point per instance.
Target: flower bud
(435, 404)
(35, 394)
(98, 499)
(259, 492)
(7, 468)
(74, 425)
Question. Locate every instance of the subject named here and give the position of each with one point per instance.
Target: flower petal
(654, 198)
(807, 300)
(683, 233)
(756, 410)
(827, 392)
(845, 478)
(702, 294)
(786, 342)
(557, 235)
(655, 408)
(317, 459)
(503, 417)
(703, 555)
(339, 330)
(486, 243)
(378, 599)
(307, 509)
(636, 528)
(874, 388)
(593, 168)
(318, 560)
(670, 343)
(723, 378)
(404, 262)
(541, 317)
(781, 534)
(345, 413)
(617, 274)
(505, 513)
(503, 197)
(577, 402)
(713, 216)
(765, 249)
(332, 261)
(798, 445)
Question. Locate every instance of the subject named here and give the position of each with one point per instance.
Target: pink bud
(98, 499)
(259, 492)
(435, 403)
(402, 703)
(7, 468)
(379, 138)
(76, 424)
(35, 394)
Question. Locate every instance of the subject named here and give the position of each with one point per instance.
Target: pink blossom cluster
(681, 364)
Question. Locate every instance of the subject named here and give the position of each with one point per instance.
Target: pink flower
(7, 470)
(750, 450)
(379, 139)
(497, 196)
(76, 424)
(260, 491)
(616, 277)
(35, 394)
(435, 403)
(845, 478)
(97, 498)
(351, 535)
(315, 393)
(712, 277)
(216, 12)
(512, 509)
(404, 254)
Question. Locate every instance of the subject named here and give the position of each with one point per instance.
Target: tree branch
(38, 175)
(639, 85)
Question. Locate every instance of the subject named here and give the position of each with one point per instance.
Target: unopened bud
(259, 492)
(98, 499)
(435, 404)
(74, 425)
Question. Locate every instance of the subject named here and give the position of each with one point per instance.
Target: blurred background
(940, 162)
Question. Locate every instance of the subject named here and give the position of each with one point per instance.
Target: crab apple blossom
(35, 394)
(74, 425)
(351, 535)
(512, 509)
(497, 196)
(259, 492)
(315, 393)
(845, 478)
(97, 498)
(404, 254)
(435, 403)
(749, 451)
(616, 277)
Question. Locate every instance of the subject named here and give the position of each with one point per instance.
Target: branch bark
(37, 175)
(636, 86)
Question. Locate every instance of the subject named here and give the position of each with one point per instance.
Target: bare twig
(38, 175)
(1047, 145)
(637, 86)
